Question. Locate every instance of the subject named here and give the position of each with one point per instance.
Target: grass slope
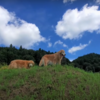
(49, 83)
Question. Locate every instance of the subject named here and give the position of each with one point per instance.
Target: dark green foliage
(65, 61)
(7, 54)
(89, 62)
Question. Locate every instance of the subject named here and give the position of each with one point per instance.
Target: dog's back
(18, 64)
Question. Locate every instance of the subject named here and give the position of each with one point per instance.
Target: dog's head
(62, 52)
(31, 63)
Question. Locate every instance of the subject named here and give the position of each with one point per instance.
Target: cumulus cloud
(61, 43)
(65, 1)
(17, 31)
(49, 44)
(74, 23)
(77, 48)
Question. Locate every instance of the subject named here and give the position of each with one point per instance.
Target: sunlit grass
(49, 83)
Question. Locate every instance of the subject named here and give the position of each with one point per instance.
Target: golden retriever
(21, 64)
(52, 59)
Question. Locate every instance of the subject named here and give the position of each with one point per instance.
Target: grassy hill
(49, 83)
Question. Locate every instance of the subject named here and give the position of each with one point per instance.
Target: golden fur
(21, 64)
(52, 59)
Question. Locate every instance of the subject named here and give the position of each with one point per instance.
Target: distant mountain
(89, 62)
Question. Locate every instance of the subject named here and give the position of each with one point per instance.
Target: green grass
(49, 83)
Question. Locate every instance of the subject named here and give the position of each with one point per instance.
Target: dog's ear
(60, 52)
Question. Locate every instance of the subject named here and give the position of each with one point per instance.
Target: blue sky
(52, 25)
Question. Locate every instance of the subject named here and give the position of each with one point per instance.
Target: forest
(89, 62)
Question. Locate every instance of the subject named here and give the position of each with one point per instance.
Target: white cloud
(60, 42)
(17, 31)
(77, 48)
(98, 1)
(74, 23)
(64, 45)
(49, 44)
(71, 60)
(65, 1)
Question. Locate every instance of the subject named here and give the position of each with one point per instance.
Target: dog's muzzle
(30, 65)
(63, 54)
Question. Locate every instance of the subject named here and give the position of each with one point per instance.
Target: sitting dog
(21, 64)
(52, 59)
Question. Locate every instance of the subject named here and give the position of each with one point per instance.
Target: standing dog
(21, 64)
(52, 59)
